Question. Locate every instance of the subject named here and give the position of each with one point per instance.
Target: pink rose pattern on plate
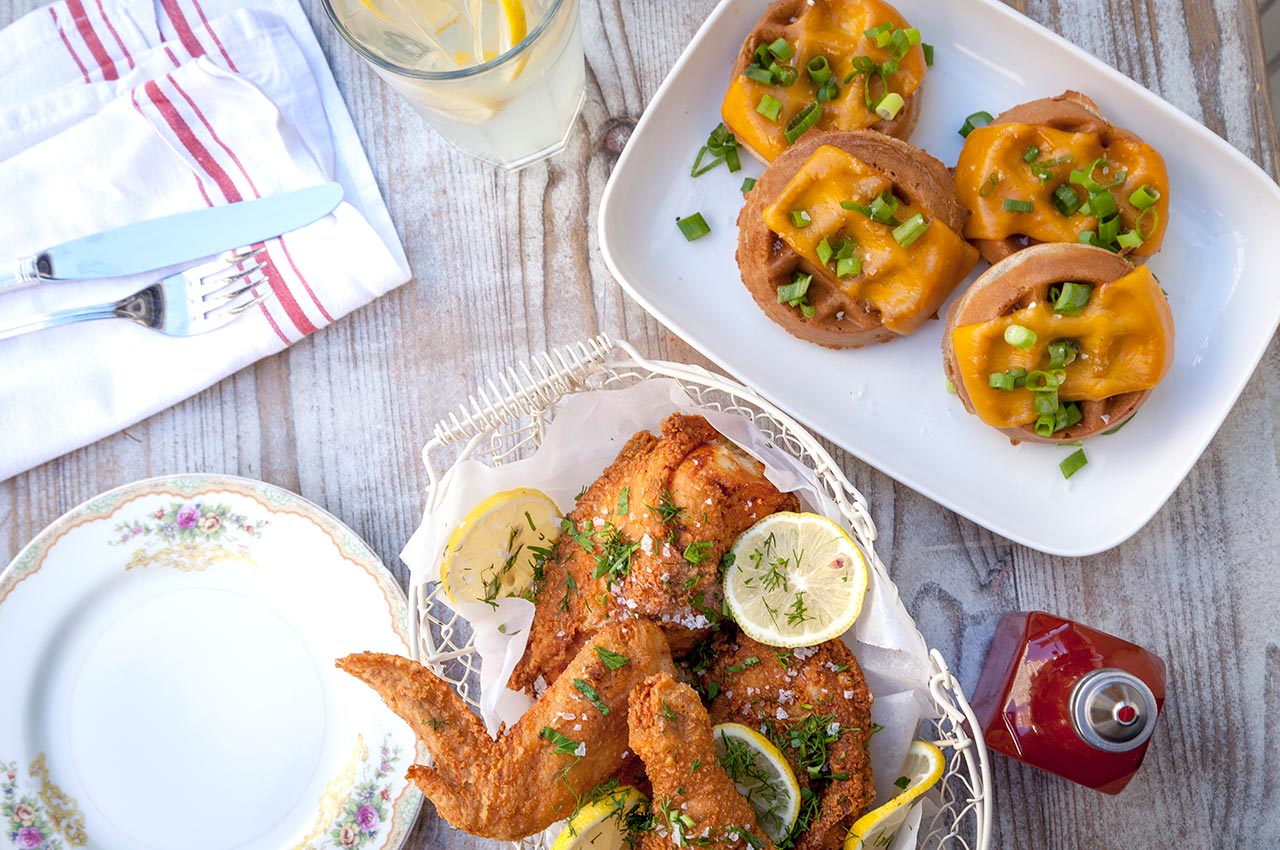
(25, 823)
(188, 523)
(366, 808)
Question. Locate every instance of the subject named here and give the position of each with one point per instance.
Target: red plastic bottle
(1068, 699)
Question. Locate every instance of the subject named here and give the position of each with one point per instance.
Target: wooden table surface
(509, 265)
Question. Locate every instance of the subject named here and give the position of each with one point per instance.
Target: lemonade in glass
(501, 80)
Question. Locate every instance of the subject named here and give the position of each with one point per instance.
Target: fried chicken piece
(694, 802)
(825, 744)
(573, 738)
(646, 542)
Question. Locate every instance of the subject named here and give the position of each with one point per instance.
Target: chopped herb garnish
(611, 659)
(624, 501)
(693, 226)
(902, 782)
(695, 553)
(564, 745)
(750, 661)
(592, 695)
(722, 146)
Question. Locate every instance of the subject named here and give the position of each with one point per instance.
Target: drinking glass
(511, 107)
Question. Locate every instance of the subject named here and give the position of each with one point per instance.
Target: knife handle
(15, 274)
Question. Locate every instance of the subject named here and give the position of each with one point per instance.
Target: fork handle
(15, 274)
(61, 317)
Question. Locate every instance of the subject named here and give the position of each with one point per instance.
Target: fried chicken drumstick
(646, 542)
(573, 738)
(694, 802)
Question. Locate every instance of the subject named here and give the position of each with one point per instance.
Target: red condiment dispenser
(1069, 699)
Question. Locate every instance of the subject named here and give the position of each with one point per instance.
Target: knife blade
(174, 239)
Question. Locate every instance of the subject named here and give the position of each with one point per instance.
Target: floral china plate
(168, 677)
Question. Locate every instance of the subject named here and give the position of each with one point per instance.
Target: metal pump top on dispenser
(1112, 710)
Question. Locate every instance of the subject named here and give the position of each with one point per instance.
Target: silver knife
(161, 242)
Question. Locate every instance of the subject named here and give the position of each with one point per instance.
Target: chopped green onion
(1032, 154)
(1045, 424)
(1062, 352)
(844, 248)
(848, 266)
(951, 388)
(990, 186)
(854, 206)
(890, 105)
(693, 226)
(974, 121)
(800, 218)
(792, 293)
(1044, 168)
(883, 208)
(910, 230)
(1000, 381)
(807, 310)
(1020, 337)
(1041, 382)
(913, 36)
(1129, 240)
(759, 75)
(770, 107)
(748, 183)
(782, 50)
(1155, 223)
(1018, 206)
(1102, 205)
(829, 91)
(784, 74)
(1072, 299)
(1066, 200)
(1046, 401)
(824, 251)
(1144, 197)
(1086, 179)
(819, 70)
(803, 120)
(723, 147)
(1108, 230)
(1073, 464)
(928, 54)
(1073, 414)
(880, 34)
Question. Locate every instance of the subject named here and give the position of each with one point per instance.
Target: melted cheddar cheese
(906, 285)
(1000, 150)
(834, 29)
(1125, 334)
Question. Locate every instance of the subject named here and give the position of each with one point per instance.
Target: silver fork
(186, 303)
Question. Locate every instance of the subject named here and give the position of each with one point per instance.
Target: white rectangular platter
(887, 404)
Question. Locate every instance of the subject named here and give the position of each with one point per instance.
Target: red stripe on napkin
(112, 29)
(91, 40)
(180, 128)
(254, 188)
(180, 25)
(216, 40)
(67, 43)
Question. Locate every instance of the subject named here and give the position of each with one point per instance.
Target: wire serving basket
(505, 420)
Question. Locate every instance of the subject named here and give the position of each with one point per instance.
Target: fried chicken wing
(694, 802)
(646, 542)
(812, 702)
(573, 738)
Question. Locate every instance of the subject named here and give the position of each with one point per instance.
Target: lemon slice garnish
(796, 580)
(762, 776)
(921, 771)
(602, 825)
(497, 549)
(517, 23)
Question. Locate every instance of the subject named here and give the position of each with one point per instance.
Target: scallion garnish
(910, 230)
(693, 226)
(781, 50)
(1032, 154)
(848, 266)
(1062, 352)
(1073, 463)
(827, 92)
(974, 121)
(748, 183)
(1044, 425)
(770, 107)
(1071, 298)
(819, 70)
(883, 208)
(1066, 200)
(1019, 336)
(993, 180)
(928, 54)
(856, 207)
(800, 218)
(723, 147)
(824, 251)
(1001, 381)
(880, 34)
(803, 120)
(1102, 205)
(793, 294)
(759, 74)
(1018, 206)
(1129, 240)
(890, 105)
(1144, 197)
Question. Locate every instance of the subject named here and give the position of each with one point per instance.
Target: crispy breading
(572, 739)
(646, 541)
(694, 801)
(768, 689)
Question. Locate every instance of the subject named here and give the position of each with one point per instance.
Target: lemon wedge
(499, 547)
(921, 771)
(762, 776)
(796, 580)
(602, 825)
(517, 22)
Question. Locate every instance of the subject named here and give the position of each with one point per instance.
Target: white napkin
(113, 111)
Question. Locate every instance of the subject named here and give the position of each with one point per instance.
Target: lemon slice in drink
(517, 22)
(602, 825)
(762, 776)
(796, 580)
(497, 548)
(922, 770)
